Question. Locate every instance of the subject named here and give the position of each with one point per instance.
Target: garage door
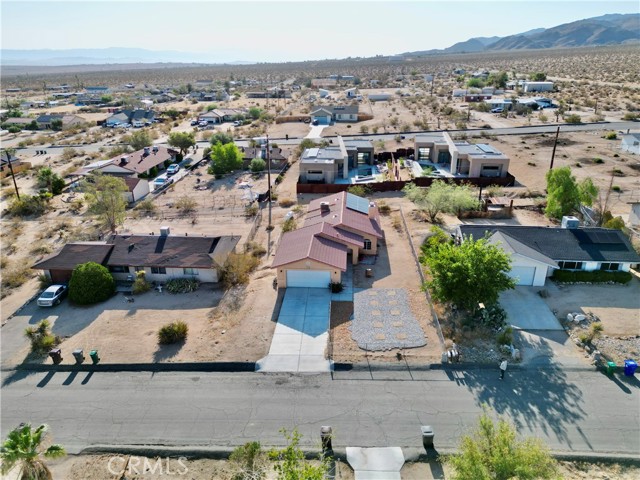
(308, 278)
(523, 275)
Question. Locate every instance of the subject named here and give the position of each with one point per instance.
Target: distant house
(137, 163)
(45, 121)
(17, 165)
(460, 158)
(338, 230)
(477, 97)
(130, 116)
(503, 103)
(631, 143)
(322, 115)
(220, 95)
(538, 87)
(221, 115)
(342, 113)
(323, 92)
(162, 257)
(537, 251)
(379, 97)
(326, 165)
(351, 92)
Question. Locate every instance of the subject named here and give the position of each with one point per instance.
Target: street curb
(142, 367)
(411, 454)
(400, 367)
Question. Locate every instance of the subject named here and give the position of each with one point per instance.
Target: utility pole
(555, 143)
(9, 153)
(432, 80)
(269, 180)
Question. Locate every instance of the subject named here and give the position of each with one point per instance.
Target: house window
(139, 269)
(424, 153)
(118, 269)
(610, 266)
(570, 265)
(315, 172)
(190, 271)
(159, 270)
(367, 244)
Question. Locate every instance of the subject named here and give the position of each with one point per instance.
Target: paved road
(576, 411)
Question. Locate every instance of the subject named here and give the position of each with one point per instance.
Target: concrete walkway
(316, 131)
(300, 339)
(375, 463)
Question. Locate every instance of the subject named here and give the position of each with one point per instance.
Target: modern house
(630, 143)
(130, 116)
(338, 229)
(162, 257)
(343, 113)
(537, 251)
(460, 158)
(325, 165)
(538, 87)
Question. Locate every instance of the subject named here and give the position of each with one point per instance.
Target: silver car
(52, 296)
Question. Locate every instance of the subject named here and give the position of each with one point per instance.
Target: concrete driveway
(316, 131)
(526, 310)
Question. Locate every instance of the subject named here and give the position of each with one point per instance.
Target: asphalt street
(579, 411)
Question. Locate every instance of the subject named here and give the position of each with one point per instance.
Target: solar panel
(603, 237)
(313, 152)
(358, 204)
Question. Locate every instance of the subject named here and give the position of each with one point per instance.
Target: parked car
(161, 182)
(173, 169)
(203, 123)
(194, 123)
(52, 296)
(237, 123)
(497, 110)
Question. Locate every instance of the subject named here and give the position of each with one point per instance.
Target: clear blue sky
(267, 31)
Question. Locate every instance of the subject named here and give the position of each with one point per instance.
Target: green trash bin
(94, 356)
(611, 368)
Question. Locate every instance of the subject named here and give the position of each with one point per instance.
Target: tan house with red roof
(337, 230)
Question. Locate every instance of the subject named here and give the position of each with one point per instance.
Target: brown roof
(170, 251)
(340, 215)
(138, 162)
(132, 182)
(73, 254)
(307, 244)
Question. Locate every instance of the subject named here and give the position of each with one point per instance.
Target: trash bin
(368, 273)
(78, 355)
(325, 436)
(56, 355)
(630, 367)
(611, 368)
(94, 356)
(427, 436)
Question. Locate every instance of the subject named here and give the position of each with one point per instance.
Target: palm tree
(23, 448)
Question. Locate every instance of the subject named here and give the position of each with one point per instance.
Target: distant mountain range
(611, 29)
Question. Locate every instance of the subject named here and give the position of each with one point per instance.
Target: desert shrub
(611, 135)
(359, 190)
(289, 225)
(383, 208)
(630, 116)
(596, 276)
(140, 284)
(257, 165)
(147, 207)
(616, 188)
(255, 249)
(492, 316)
(185, 205)
(90, 283)
(598, 160)
(505, 337)
(173, 332)
(251, 210)
(41, 338)
(237, 268)
(182, 285)
(336, 287)
(573, 118)
(75, 206)
(28, 205)
(248, 462)
(279, 179)
(43, 281)
(286, 202)
(15, 277)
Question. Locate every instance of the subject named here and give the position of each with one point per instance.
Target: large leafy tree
(441, 197)
(182, 140)
(493, 452)
(50, 180)
(23, 447)
(565, 194)
(91, 283)
(225, 158)
(105, 197)
(221, 137)
(139, 139)
(468, 274)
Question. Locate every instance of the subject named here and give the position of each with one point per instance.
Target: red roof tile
(307, 244)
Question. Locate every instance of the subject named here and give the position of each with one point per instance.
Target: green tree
(254, 113)
(225, 158)
(182, 140)
(564, 194)
(139, 139)
(23, 447)
(172, 113)
(50, 180)
(441, 197)
(304, 144)
(91, 283)
(291, 464)
(538, 77)
(475, 83)
(105, 197)
(221, 137)
(493, 452)
(473, 272)
(257, 165)
(498, 80)
(56, 125)
(106, 98)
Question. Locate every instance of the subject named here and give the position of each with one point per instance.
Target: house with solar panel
(346, 162)
(537, 251)
(338, 229)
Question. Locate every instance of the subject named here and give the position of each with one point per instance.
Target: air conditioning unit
(570, 222)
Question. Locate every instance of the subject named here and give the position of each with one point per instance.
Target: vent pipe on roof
(164, 231)
(324, 207)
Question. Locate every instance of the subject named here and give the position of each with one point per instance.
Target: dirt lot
(96, 467)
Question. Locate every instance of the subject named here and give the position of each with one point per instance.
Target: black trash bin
(427, 436)
(630, 367)
(56, 355)
(78, 354)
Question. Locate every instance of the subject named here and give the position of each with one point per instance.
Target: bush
(182, 285)
(248, 462)
(359, 190)
(289, 225)
(173, 332)
(596, 276)
(255, 249)
(506, 337)
(147, 207)
(611, 135)
(237, 268)
(573, 118)
(286, 202)
(251, 210)
(28, 205)
(336, 287)
(140, 285)
(91, 283)
(383, 208)
(41, 338)
(492, 316)
(257, 165)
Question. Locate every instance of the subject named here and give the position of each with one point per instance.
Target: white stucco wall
(542, 269)
(205, 275)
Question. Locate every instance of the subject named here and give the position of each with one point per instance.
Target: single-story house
(338, 229)
(137, 188)
(323, 92)
(351, 92)
(379, 97)
(215, 96)
(461, 158)
(325, 165)
(140, 162)
(538, 86)
(130, 116)
(630, 143)
(221, 115)
(162, 257)
(477, 97)
(17, 165)
(19, 121)
(45, 121)
(503, 103)
(322, 115)
(537, 251)
(341, 113)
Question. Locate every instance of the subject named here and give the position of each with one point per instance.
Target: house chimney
(155, 149)
(164, 231)
(324, 207)
(147, 150)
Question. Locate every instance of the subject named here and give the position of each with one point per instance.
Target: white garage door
(523, 275)
(308, 278)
